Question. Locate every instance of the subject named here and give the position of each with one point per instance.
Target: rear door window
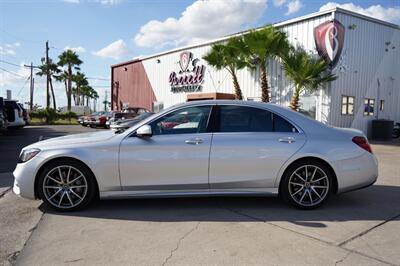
(244, 119)
(249, 119)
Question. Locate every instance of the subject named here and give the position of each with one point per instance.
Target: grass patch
(38, 122)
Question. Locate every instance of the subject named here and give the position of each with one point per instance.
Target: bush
(49, 115)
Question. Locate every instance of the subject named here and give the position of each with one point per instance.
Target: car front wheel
(67, 185)
(306, 185)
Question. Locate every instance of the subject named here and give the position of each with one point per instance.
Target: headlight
(28, 154)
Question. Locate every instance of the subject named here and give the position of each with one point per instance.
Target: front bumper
(24, 178)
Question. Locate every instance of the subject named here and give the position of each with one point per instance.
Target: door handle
(287, 140)
(194, 141)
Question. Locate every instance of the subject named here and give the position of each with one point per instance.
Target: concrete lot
(361, 227)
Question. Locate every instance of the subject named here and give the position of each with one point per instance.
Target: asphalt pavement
(357, 228)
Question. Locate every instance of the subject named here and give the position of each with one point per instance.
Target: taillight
(362, 142)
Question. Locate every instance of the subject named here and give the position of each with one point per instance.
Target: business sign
(329, 39)
(190, 77)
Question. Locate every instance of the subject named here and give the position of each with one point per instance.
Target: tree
(94, 95)
(261, 46)
(69, 60)
(307, 73)
(228, 56)
(52, 70)
(80, 81)
(88, 92)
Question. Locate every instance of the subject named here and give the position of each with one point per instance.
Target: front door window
(183, 121)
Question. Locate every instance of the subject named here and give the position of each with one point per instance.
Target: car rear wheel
(307, 184)
(67, 185)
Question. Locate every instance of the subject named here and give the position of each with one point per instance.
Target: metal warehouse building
(363, 52)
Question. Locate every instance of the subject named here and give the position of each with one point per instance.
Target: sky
(106, 32)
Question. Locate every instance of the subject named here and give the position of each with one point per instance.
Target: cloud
(391, 14)
(9, 48)
(9, 79)
(72, 1)
(114, 50)
(109, 2)
(78, 49)
(279, 3)
(201, 21)
(293, 7)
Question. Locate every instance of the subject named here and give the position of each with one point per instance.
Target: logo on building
(190, 77)
(329, 39)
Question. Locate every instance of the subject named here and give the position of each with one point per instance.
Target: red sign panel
(329, 39)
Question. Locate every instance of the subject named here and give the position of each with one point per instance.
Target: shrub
(49, 115)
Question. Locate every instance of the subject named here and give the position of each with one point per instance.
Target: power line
(13, 64)
(26, 81)
(100, 86)
(98, 78)
(11, 72)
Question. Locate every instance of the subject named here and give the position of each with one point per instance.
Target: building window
(347, 105)
(157, 107)
(369, 105)
(381, 105)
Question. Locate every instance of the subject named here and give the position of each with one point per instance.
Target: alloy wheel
(65, 187)
(308, 185)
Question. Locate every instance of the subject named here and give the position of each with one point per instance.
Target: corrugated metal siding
(363, 62)
(366, 69)
(220, 81)
(133, 89)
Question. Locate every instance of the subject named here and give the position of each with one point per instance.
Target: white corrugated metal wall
(369, 68)
(364, 61)
(299, 33)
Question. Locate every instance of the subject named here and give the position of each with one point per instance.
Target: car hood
(83, 138)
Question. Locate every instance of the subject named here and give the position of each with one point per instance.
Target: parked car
(100, 119)
(15, 114)
(84, 119)
(235, 148)
(127, 123)
(3, 119)
(25, 114)
(127, 113)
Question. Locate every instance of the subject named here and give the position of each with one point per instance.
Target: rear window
(249, 119)
(282, 125)
(12, 104)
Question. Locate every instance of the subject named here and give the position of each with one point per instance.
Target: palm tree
(228, 56)
(306, 73)
(94, 95)
(52, 70)
(80, 81)
(88, 92)
(71, 61)
(261, 46)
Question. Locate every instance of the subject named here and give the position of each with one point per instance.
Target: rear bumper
(356, 173)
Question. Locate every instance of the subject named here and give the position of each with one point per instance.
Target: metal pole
(31, 89)
(47, 76)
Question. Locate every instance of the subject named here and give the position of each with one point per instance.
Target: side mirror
(144, 131)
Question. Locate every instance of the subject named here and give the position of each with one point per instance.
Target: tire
(308, 193)
(61, 195)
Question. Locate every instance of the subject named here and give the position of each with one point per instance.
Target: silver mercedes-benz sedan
(203, 148)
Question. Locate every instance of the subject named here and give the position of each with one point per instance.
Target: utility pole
(47, 76)
(31, 89)
(32, 85)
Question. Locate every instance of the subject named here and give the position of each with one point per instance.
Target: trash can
(382, 129)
